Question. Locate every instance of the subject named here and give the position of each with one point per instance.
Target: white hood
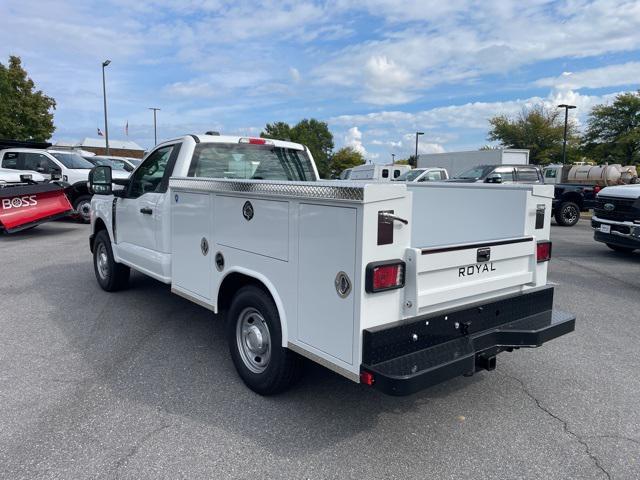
(623, 191)
(13, 176)
(121, 174)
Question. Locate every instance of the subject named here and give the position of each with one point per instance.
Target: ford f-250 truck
(398, 286)
(616, 218)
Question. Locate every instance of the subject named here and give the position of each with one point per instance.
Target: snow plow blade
(25, 206)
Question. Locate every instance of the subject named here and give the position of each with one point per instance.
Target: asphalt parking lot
(139, 384)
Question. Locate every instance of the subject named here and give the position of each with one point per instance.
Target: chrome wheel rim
(253, 340)
(102, 261)
(570, 214)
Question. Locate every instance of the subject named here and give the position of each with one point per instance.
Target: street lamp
(393, 159)
(417, 135)
(104, 97)
(155, 133)
(566, 119)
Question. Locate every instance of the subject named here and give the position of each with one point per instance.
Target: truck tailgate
(453, 274)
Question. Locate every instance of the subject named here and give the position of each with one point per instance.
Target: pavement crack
(564, 423)
(135, 448)
(617, 437)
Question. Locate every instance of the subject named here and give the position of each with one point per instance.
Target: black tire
(82, 206)
(619, 249)
(567, 214)
(115, 276)
(278, 367)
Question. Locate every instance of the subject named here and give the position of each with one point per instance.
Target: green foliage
(344, 158)
(402, 162)
(310, 132)
(277, 131)
(613, 131)
(25, 113)
(412, 160)
(539, 130)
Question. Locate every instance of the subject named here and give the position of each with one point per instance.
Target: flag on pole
(100, 132)
(126, 129)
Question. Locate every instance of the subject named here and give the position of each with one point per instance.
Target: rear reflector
(543, 251)
(255, 141)
(366, 378)
(382, 276)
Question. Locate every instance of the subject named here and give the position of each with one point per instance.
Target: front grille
(625, 209)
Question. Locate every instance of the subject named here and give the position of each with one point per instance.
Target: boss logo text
(17, 202)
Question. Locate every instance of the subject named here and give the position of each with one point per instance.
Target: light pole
(417, 135)
(155, 133)
(393, 159)
(104, 98)
(566, 119)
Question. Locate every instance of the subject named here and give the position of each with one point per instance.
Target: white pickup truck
(398, 286)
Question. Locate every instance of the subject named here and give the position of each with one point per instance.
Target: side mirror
(55, 176)
(100, 180)
(493, 178)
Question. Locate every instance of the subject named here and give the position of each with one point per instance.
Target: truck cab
(372, 280)
(431, 174)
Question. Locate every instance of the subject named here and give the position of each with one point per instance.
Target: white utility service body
(441, 254)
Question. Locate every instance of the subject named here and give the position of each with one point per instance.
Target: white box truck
(457, 162)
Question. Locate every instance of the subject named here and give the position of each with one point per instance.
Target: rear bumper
(410, 356)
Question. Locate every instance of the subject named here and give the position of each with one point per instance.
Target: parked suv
(70, 165)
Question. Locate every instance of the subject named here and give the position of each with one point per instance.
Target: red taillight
(381, 276)
(596, 189)
(255, 141)
(366, 378)
(543, 251)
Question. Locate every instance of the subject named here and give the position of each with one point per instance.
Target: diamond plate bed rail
(314, 190)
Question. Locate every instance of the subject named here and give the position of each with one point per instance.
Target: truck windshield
(410, 175)
(255, 162)
(72, 160)
(474, 173)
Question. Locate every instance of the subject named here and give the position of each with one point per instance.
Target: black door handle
(146, 211)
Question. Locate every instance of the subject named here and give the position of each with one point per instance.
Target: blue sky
(375, 70)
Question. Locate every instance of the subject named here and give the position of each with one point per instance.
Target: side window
(38, 163)
(550, 173)
(506, 173)
(10, 160)
(432, 177)
(528, 175)
(385, 173)
(396, 173)
(150, 175)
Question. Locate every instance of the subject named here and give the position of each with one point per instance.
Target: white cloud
(609, 76)
(353, 139)
(295, 74)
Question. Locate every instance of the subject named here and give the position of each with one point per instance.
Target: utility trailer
(392, 285)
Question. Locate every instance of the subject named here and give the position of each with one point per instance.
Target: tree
(344, 158)
(310, 132)
(613, 131)
(277, 131)
(537, 129)
(413, 161)
(25, 113)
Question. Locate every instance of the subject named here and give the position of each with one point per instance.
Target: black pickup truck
(569, 199)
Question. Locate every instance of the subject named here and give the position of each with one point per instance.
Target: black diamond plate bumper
(416, 354)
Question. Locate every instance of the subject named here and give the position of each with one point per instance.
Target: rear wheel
(82, 206)
(568, 214)
(619, 249)
(111, 275)
(255, 342)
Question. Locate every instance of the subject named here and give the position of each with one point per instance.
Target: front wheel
(82, 206)
(568, 214)
(255, 342)
(111, 275)
(619, 249)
